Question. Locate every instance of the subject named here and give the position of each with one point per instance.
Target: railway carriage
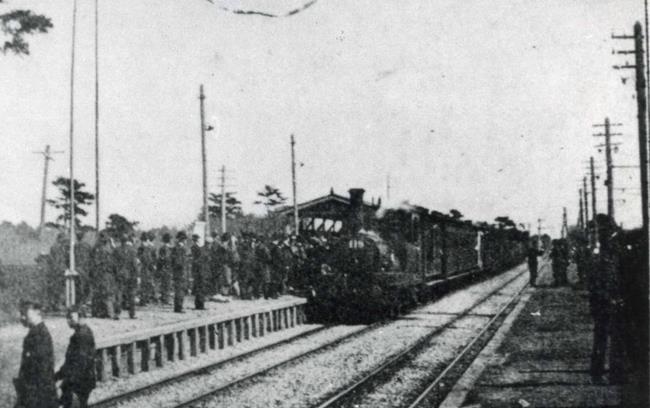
(384, 262)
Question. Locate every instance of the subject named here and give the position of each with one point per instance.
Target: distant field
(20, 281)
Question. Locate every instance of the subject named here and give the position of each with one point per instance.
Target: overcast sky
(483, 106)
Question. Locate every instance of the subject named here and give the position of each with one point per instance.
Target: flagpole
(70, 273)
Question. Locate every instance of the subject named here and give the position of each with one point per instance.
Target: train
(381, 263)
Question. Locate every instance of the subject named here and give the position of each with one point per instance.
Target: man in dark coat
(35, 385)
(532, 254)
(606, 303)
(262, 268)
(178, 271)
(83, 264)
(559, 261)
(198, 268)
(128, 264)
(78, 371)
(165, 268)
(147, 257)
(102, 276)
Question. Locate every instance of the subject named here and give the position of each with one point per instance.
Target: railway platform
(538, 358)
(158, 339)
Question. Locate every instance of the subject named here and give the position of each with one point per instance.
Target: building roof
(326, 204)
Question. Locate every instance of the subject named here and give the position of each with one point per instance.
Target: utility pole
(296, 221)
(539, 233)
(47, 155)
(565, 227)
(639, 67)
(581, 219)
(585, 201)
(609, 161)
(71, 273)
(594, 210)
(97, 215)
(206, 215)
(586, 208)
(223, 199)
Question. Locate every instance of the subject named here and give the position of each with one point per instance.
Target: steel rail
(152, 387)
(403, 355)
(427, 391)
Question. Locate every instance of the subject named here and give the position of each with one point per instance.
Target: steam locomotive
(380, 263)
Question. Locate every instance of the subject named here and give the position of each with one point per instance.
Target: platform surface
(11, 336)
(543, 359)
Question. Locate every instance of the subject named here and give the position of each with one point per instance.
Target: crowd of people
(248, 266)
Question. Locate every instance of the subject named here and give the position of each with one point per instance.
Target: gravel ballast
(311, 379)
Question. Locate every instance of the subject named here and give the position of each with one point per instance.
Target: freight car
(379, 266)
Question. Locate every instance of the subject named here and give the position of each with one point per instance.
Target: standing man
(606, 303)
(78, 371)
(165, 268)
(199, 265)
(128, 265)
(532, 255)
(82, 266)
(35, 385)
(178, 271)
(147, 257)
(102, 276)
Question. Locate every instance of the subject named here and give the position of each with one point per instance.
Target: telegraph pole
(71, 273)
(539, 232)
(565, 227)
(609, 161)
(581, 219)
(206, 215)
(223, 199)
(97, 215)
(47, 155)
(585, 201)
(594, 210)
(293, 177)
(639, 67)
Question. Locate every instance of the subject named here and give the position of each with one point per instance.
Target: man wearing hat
(103, 275)
(78, 371)
(606, 303)
(35, 385)
(178, 271)
(165, 267)
(147, 257)
(128, 264)
(198, 267)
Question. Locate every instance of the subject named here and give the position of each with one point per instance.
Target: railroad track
(152, 388)
(211, 369)
(433, 393)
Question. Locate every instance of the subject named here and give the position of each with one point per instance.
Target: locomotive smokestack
(356, 204)
(356, 197)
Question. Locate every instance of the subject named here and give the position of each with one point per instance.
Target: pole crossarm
(626, 66)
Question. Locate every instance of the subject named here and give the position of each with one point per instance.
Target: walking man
(178, 271)
(78, 371)
(35, 385)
